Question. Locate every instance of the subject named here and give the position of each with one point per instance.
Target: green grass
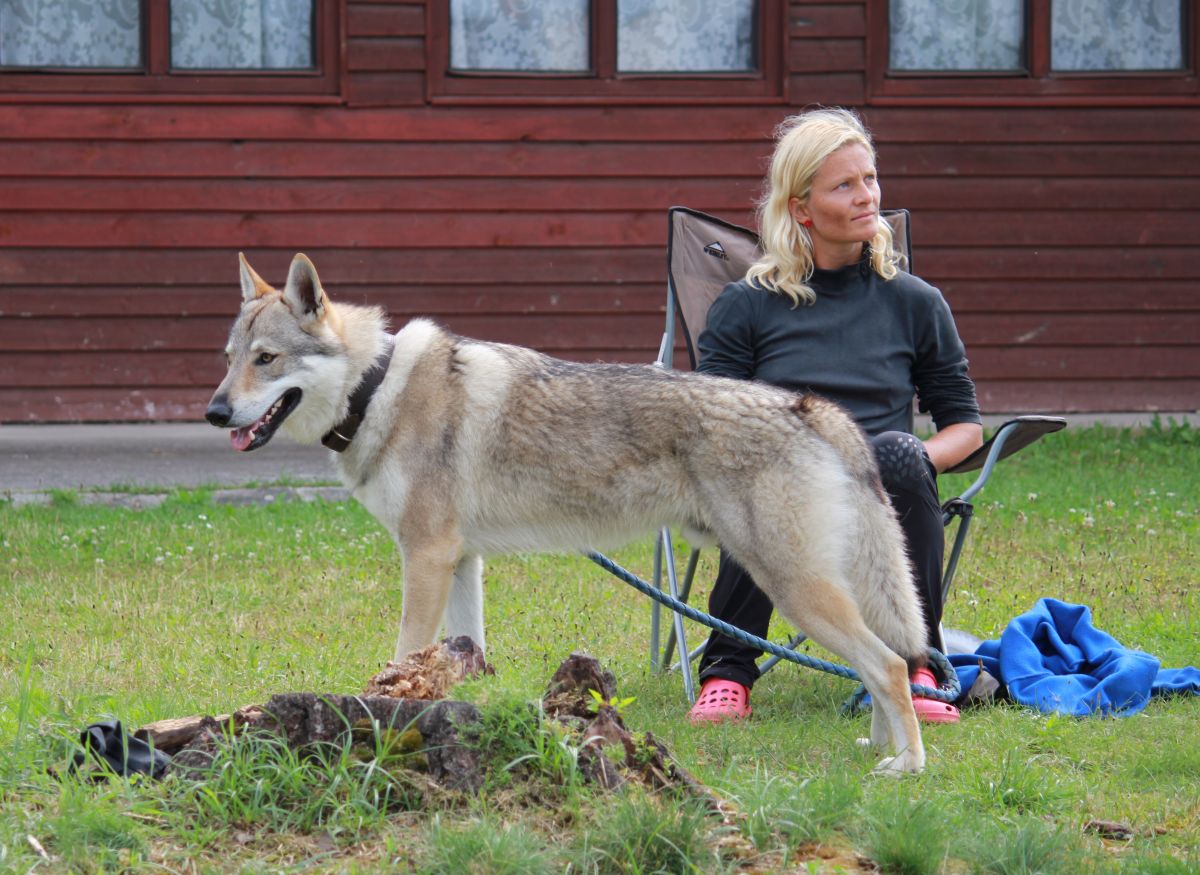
(193, 607)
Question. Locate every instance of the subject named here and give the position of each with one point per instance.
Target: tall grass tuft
(797, 811)
(1020, 785)
(905, 836)
(642, 834)
(1030, 846)
(484, 847)
(517, 740)
(93, 830)
(258, 782)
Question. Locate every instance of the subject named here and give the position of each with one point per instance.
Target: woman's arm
(953, 444)
(726, 345)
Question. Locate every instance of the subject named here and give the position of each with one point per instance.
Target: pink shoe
(931, 710)
(720, 700)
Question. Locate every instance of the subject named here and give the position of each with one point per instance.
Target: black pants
(911, 481)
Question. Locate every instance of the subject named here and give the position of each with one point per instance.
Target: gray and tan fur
(471, 448)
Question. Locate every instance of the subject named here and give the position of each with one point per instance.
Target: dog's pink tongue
(240, 438)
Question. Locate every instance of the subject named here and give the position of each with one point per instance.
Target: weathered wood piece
(430, 673)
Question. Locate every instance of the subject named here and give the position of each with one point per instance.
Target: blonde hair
(802, 143)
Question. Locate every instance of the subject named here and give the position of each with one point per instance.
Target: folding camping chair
(705, 253)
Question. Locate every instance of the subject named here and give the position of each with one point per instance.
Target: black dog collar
(340, 436)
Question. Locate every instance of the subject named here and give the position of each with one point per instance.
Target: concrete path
(36, 458)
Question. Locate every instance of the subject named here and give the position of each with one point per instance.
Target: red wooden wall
(1063, 235)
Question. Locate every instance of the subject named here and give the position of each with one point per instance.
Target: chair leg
(668, 553)
(960, 538)
(769, 664)
(655, 607)
(688, 576)
(693, 656)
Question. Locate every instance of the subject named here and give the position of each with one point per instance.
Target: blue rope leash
(949, 694)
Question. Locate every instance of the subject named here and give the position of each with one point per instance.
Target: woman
(827, 310)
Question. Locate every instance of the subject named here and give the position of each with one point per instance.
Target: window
(1032, 47)
(151, 46)
(610, 48)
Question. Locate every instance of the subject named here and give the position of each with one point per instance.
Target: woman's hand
(953, 444)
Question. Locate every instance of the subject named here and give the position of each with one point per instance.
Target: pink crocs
(931, 710)
(720, 700)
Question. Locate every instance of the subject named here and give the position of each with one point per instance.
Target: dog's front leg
(428, 571)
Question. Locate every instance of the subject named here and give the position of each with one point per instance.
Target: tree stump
(433, 731)
(304, 720)
(567, 693)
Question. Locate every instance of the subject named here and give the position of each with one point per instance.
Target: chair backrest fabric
(705, 253)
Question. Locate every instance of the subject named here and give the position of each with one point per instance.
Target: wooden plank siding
(1062, 234)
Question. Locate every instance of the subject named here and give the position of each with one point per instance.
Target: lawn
(195, 607)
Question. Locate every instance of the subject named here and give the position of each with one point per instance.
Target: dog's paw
(901, 764)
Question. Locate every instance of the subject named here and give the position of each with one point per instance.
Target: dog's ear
(303, 292)
(253, 286)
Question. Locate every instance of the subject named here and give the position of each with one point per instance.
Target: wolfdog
(462, 449)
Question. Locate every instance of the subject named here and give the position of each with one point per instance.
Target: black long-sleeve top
(867, 343)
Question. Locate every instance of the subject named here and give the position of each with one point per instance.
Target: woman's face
(843, 207)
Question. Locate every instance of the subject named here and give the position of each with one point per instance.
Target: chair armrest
(1014, 435)
(1017, 434)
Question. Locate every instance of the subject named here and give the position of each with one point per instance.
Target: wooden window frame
(156, 78)
(603, 83)
(1036, 82)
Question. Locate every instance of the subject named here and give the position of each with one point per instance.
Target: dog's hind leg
(464, 610)
(428, 574)
(831, 618)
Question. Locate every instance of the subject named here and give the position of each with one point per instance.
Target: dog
(463, 449)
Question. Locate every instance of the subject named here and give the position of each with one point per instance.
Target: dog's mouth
(251, 437)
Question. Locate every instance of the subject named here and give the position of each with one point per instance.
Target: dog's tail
(881, 574)
(883, 581)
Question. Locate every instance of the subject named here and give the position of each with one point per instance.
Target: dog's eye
(265, 358)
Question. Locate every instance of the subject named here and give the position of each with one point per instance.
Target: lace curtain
(70, 33)
(1116, 35)
(205, 34)
(555, 35)
(241, 34)
(534, 35)
(1084, 34)
(956, 34)
(685, 35)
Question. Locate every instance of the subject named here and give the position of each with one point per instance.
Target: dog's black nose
(219, 412)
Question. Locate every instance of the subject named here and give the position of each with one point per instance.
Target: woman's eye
(266, 358)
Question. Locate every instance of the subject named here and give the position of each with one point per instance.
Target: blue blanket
(1053, 659)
